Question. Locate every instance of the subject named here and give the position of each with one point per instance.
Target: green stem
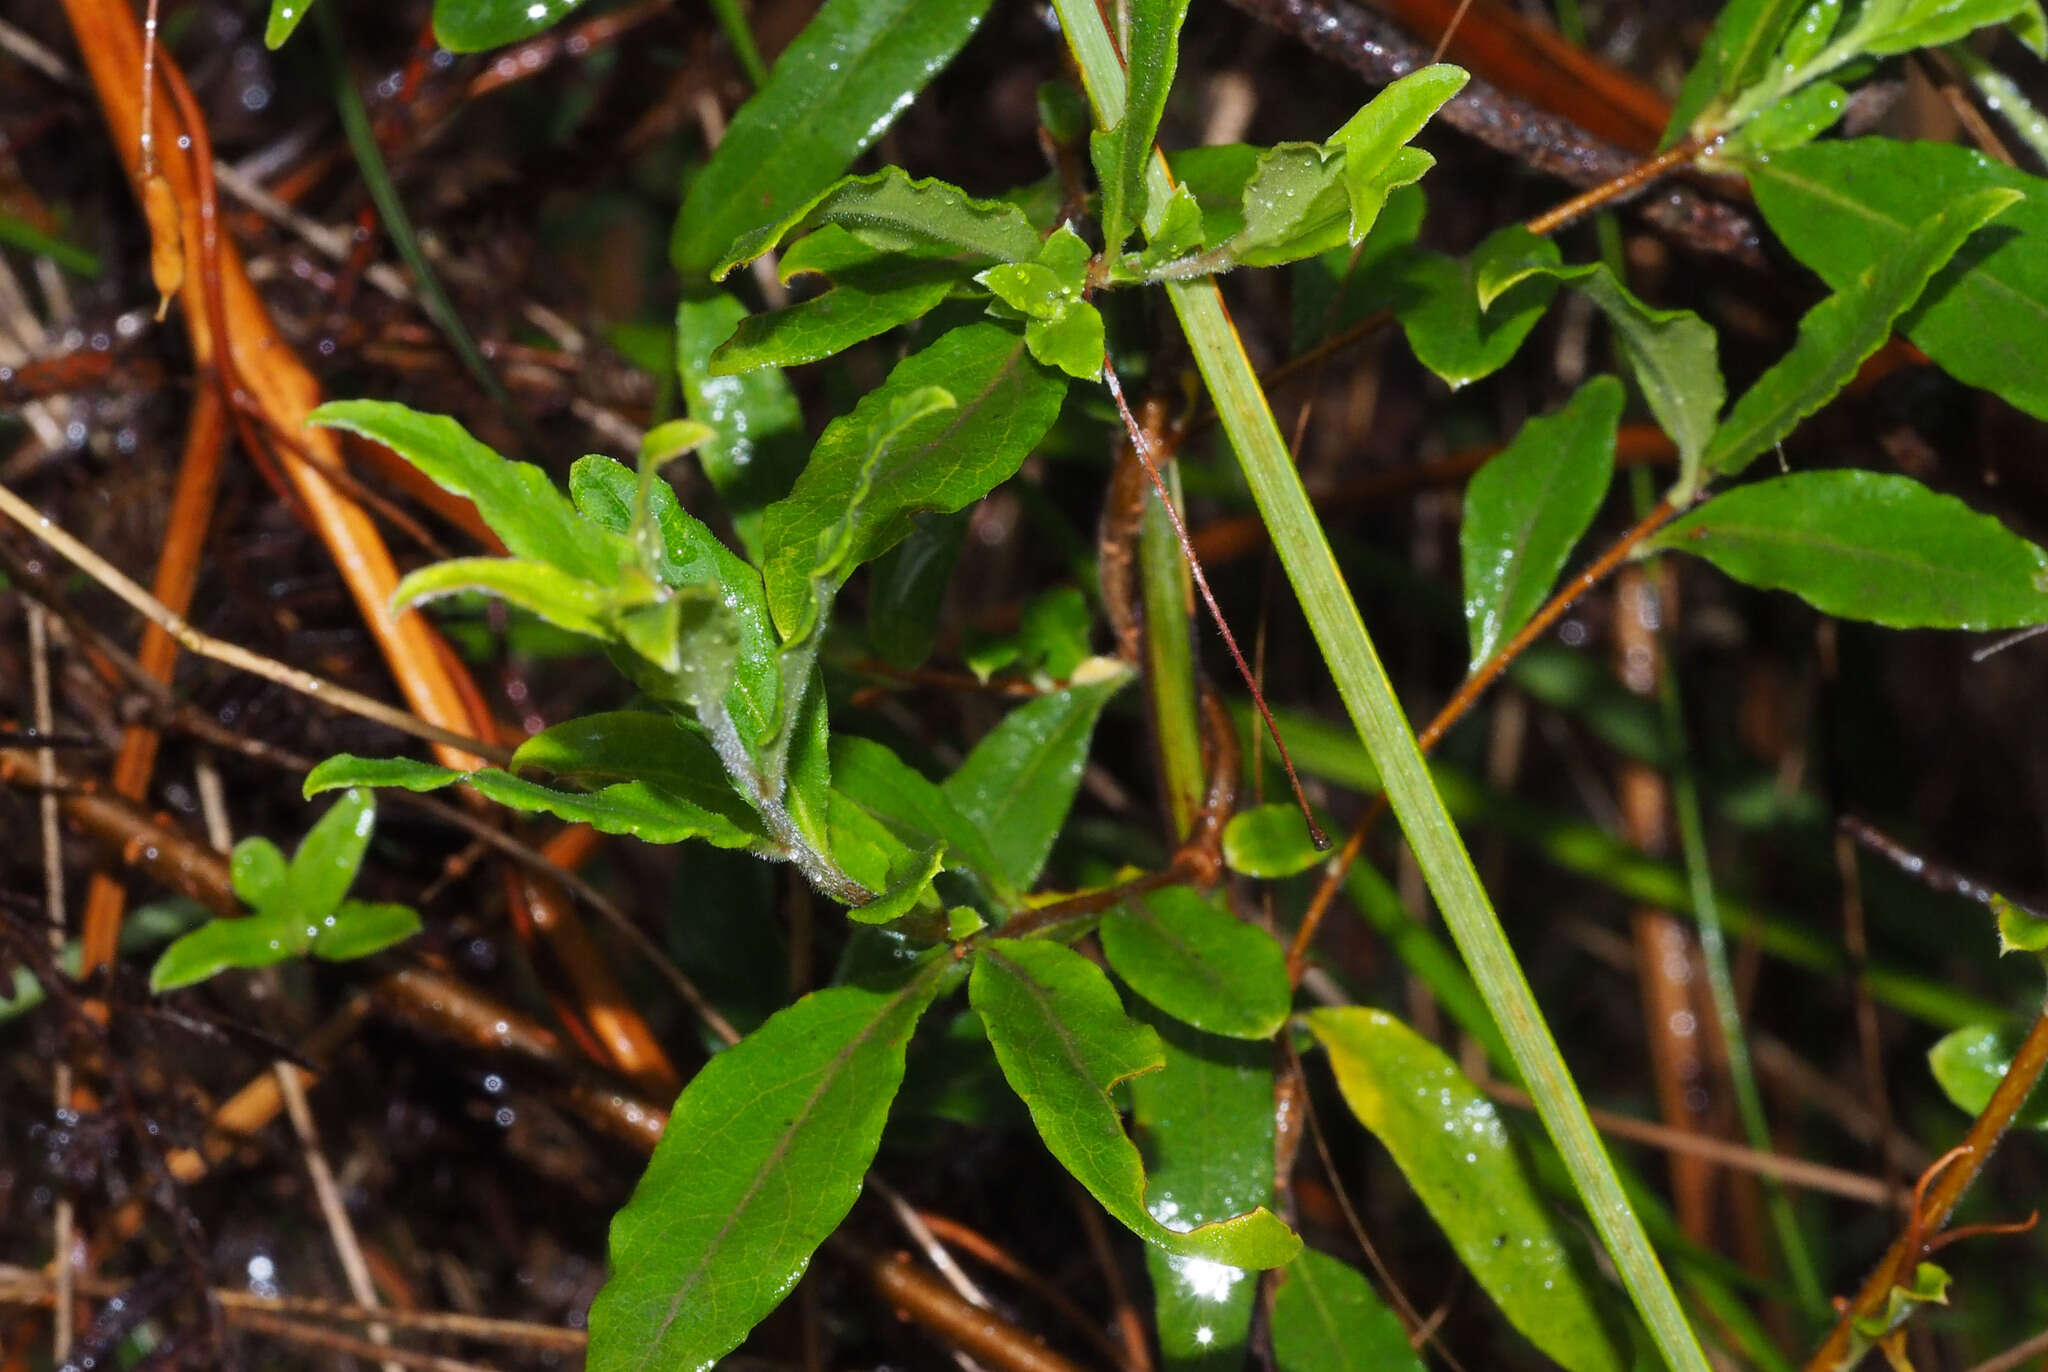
(1369, 698)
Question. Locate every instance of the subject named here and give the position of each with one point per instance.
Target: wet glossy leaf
(914, 808)
(759, 449)
(635, 807)
(1217, 176)
(1294, 205)
(944, 461)
(219, 944)
(1527, 508)
(1930, 23)
(284, 17)
(1063, 1040)
(1437, 303)
(1327, 1318)
(1204, 1123)
(517, 499)
(1376, 158)
(856, 309)
(581, 607)
(1837, 334)
(1969, 1063)
(891, 212)
(762, 1157)
(1794, 121)
(692, 557)
(1073, 343)
(1153, 57)
(2019, 931)
(1199, 963)
(639, 745)
(256, 870)
(1447, 1139)
(1270, 842)
(907, 886)
(1743, 40)
(1843, 208)
(834, 90)
(907, 586)
(1019, 782)
(359, 928)
(1871, 546)
(403, 773)
(474, 25)
(328, 858)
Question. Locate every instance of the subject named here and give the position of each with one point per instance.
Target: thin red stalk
(1143, 448)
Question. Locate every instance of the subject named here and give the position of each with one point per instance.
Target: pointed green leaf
(517, 499)
(914, 808)
(256, 870)
(1327, 1318)
(328, 858)
(1154, 55)
(856, 309)
(1199, 963)
(1969, 1063)
(1837, 334)
(1294, 205)
(1269, 842)
(891, 212)
(214, 947)
(1871, 546)
(475, 25)
(834, 90)
(762, 1157)
(1744, 37)
(1217, 177)
(1527, 508)
(1063, 1040)
(1447, 1139)
(581, 607)
(1931, 23)
(346, 769)
(1376, 156)
(358, 928)
(1843, 208)
(944, 461)
(1437, 302)
(759, 449)
(1204, 1123)
(1794, 121)
(284, 17)
(908, 885)
(639, 745)
(2019, 930)
(1020, 780)
(646, 812)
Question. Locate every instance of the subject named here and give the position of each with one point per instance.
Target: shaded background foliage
(478, 1184)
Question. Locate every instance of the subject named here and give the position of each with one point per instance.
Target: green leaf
(1154, 56)
(663, 443)
(1063, 1041)
(1796, 120)
(358, 928)
(908, 885)
(214, 947)
(1447, 1139)
(944, 461)
(1020, 780)
(1437, 302)
(256, 870)
(1527, 508)
(2019, 931)
(644, 811)
(760, 445)
(1743, 40)
(327, 859)
(1844, 208)
(1199, 963)
(1294, 205)
(517, 499)
(762, 1158)
(475, 25)
(1871, 546)
(1327, 1318)
(1269, 842)
(1930, 23)
(915, 809)
(834, 90)
(1837, 334)
(673, 758)
(1672, 354)
(1217, 176)
(1969, 1063)
(581, 607)
(1204, 1123)
(284, 17)
(891, 212)
(1073, 342)
(1376, 158)
(860, 307)
(907, 587)
(403, 773)
(692, 557)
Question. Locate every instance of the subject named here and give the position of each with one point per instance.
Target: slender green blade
(1154, 56)
(476, 25)
(762, 1157)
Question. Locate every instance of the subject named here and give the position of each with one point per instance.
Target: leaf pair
(297, 907)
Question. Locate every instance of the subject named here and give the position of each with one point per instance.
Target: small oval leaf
(1199, 963)
(1269, 842)
(1970, 1062)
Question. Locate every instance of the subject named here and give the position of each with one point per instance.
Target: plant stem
(1375, 712)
